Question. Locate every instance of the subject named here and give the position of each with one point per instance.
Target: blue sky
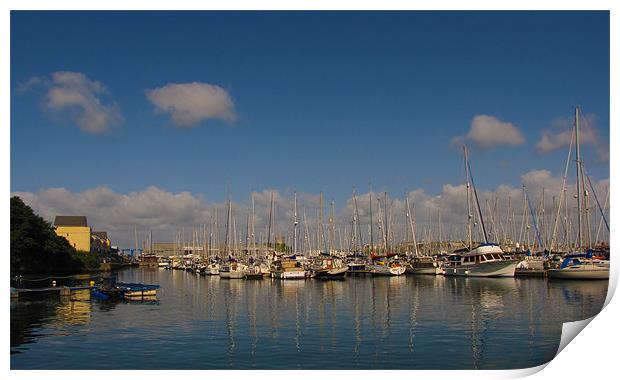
(321, 101)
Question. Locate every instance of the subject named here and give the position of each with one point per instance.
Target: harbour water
(405, 322)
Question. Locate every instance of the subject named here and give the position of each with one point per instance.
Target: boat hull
(334, 273)
(579, 273)
(488, 269)
(140, 293)
(384, 270)
(288, 275)
(232, 274)
(426, 271)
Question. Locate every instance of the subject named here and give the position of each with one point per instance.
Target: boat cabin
(286, 265)
(481, 254)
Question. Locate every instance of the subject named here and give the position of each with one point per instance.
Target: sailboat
(419, 264)
(531, 266)
(329, 267)
(231, 268)
(356, 260)
(286, 268)
(580, 266)
(254, 271)
(383, 265)
(486, 260)
(213, 266)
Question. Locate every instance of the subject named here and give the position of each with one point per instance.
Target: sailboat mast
(381, 225)
(234, 234)
(227, 240)
(484, 231)
(586, 200)
(253, 232)
(321, 233)
(578, 166)
(332, 231)
(247, 233)
(409, 215)
(386, 226)
(307, 244)
(469, 215)
(357, 222)
(295, 222)
(352, 245)
(543, 228)
(270, 220)
(440, 232)
(216, 233)
(371, 237)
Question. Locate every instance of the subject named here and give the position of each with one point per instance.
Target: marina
(487, 301)
(483, 253)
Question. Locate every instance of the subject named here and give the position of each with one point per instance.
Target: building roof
(100, 234)
(70, 221)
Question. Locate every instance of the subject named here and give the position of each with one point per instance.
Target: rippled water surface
(406, 322)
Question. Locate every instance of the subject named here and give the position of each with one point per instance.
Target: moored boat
(232, 270)
(254, 273)
(486, 260)
(109, 289)
(330, 268)
(581, 267)
(424, 265)
(287, 269)
(530, 266)
(213, 269)
(384, 268)
(356, 268)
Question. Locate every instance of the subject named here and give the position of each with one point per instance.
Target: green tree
(35, 247)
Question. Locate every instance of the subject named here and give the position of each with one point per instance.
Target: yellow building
(75, 229)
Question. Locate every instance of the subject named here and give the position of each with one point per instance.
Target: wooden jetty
(530, 272)
(60, 291)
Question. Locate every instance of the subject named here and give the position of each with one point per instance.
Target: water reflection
(29, 317)
(421, 322)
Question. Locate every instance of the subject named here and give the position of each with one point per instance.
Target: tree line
(36, 249)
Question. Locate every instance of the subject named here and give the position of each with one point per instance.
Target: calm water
(407, 322)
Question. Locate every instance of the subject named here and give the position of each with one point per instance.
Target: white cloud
(190, 103)
(560, 135)
(488, 132)
(75, 97)
(29, 84)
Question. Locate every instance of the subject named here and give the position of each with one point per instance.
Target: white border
(590, 356)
